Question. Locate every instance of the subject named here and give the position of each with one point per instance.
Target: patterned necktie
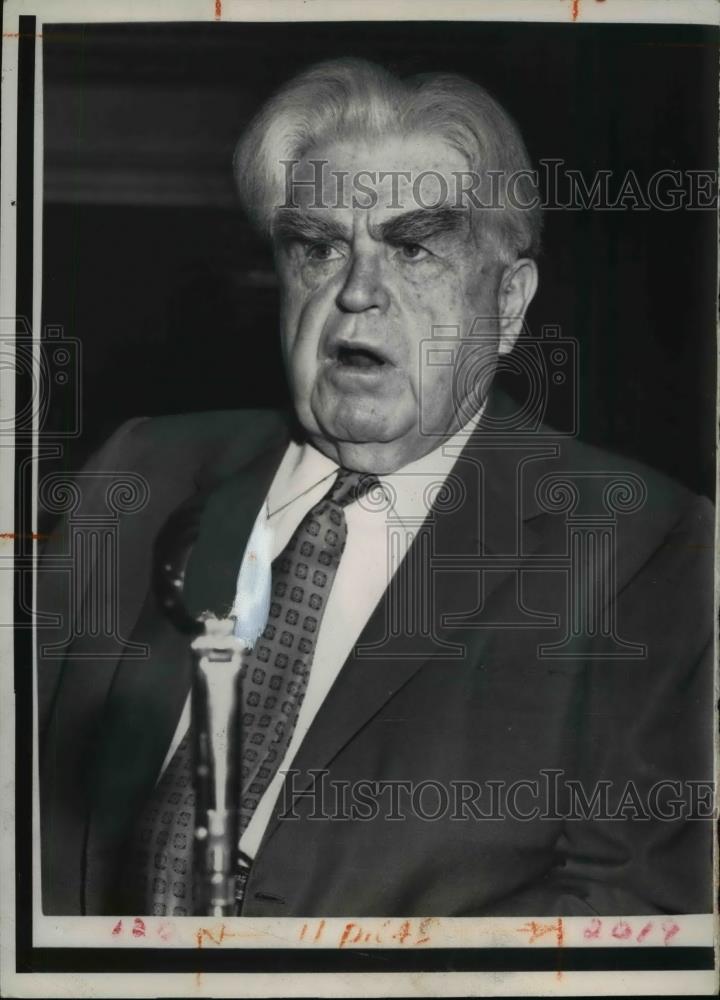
(275, 678)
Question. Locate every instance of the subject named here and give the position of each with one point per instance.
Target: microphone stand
(215, 720)
(216, 695)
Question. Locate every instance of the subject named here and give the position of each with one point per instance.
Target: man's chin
(363, 429)
(381, 458)
(362, 418)
(369, 449)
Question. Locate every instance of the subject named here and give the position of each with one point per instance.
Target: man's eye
(413, 251)
(322, 252)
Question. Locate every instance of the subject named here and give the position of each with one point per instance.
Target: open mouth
(359, 358)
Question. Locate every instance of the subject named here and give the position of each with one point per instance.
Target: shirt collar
(302, 468)
(411, 489)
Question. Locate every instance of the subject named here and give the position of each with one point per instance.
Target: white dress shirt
(366, 567)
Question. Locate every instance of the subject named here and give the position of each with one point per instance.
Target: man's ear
(517, 286)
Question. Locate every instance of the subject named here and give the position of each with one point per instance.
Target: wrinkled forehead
(381, 177)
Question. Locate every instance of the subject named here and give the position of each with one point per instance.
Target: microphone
(215, 719)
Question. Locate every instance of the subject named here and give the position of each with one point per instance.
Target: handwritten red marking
(138, 929)
(593, 931)
(408, 932)
(117, 928)
(537, 930)
(218, 9)
(206, 934)
(165, 931)
(345, 938)
(575, 11)
(36, 536)
(318, 931)
(670, 931)
(621, 930)
(424, 926)
(216, 937)
(404, 933)
(645, 931)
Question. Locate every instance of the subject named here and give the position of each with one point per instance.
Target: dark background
(150, 264)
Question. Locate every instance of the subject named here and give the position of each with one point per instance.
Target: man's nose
(364, 286)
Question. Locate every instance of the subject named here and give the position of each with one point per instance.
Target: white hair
(348, 98)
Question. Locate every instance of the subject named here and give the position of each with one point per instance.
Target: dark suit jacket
(478, 697)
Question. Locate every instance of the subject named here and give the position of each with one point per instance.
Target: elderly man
(483, 686)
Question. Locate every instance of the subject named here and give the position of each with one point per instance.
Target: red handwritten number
(670, 931)
(138, 927)
(645, 931)
(621, 930)
(117, 928)
(593, 931)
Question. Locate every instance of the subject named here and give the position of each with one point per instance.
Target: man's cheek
(430, 293)
(315, 277)
(435, 395)
(431, 276)
(307, 276)
(310, 296)
(301, 322)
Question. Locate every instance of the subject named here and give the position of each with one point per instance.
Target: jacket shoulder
(193, 445)
(657, 492)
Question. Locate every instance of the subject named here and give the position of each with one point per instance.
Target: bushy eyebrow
(290, 224)
(423, 223)
(411, 227)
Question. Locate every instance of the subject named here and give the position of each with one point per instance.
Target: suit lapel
(484, 522)
(146, 697)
